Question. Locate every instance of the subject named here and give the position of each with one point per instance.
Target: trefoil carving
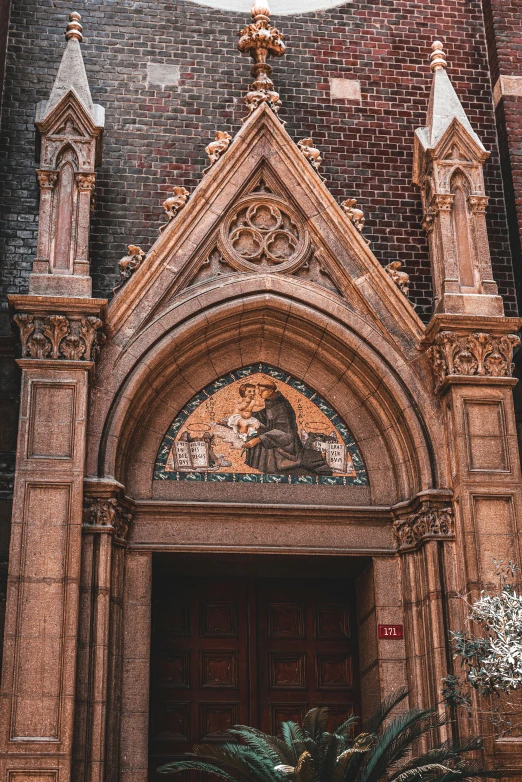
(106, 515)
(479, 354)
(429, 522)
(262, 231)
(59, 336)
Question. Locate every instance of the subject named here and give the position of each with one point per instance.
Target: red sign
(390, 632)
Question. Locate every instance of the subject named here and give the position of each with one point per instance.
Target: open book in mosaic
(260, 425)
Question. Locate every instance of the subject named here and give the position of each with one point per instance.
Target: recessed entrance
(248, 640)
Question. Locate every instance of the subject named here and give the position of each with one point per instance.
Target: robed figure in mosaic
(277, 447)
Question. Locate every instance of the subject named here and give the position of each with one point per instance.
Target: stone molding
(507, 86)
(478, 354)
(59, 336)
(106, 514)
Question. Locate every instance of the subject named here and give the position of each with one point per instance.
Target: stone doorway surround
(383, 665)
(430, 408)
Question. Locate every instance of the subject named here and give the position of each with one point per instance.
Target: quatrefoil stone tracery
(263, 231)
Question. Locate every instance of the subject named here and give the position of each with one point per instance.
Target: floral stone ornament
(261, 41)
(260, 425)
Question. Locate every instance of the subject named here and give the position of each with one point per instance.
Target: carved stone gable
(261, 210)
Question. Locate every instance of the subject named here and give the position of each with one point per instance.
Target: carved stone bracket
(106, 515)
(478, 354)
(59, 336)
(429, 522)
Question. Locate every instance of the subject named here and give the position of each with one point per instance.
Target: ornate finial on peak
(261, 41)
(260, 8)
(74, 28)
(438, 57)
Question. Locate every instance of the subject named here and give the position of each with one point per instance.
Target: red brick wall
(156, 139)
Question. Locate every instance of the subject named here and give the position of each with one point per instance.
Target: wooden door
(306, 655)
(250, 651)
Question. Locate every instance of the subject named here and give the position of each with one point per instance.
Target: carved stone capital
(85, 182)
(106, 515)
(479, 354)
(47, 179)
(59, 336)
(442, 202)
(478, 204)
(429, 522)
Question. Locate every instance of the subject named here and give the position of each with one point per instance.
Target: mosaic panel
(260, 425)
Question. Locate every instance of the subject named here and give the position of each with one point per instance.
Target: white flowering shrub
(491, 659)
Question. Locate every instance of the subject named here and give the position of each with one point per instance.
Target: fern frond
(268, 746)
(422, 772)
(386, 707)
(344, 728)
(293, 739)
(315, 723)
(195, 765)
(396, 739)
(245, 761)
(305, 771)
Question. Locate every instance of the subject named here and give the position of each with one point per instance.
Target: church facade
(260, 461)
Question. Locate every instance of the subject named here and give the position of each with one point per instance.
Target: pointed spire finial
(438, 57)
(74, 28)
(261, 41)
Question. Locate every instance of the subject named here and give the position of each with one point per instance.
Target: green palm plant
(309, 753)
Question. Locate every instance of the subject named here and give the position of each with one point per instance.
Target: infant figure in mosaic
(242, 421)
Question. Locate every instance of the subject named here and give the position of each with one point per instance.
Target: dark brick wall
(156, 139)
(503, 22)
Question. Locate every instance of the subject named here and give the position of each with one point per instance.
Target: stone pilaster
(424, 534)
(59, 341)
(106, 521)
(472, 367)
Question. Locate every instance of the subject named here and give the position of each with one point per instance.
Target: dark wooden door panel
(306, 654)
(252, 651)
(199, 684)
